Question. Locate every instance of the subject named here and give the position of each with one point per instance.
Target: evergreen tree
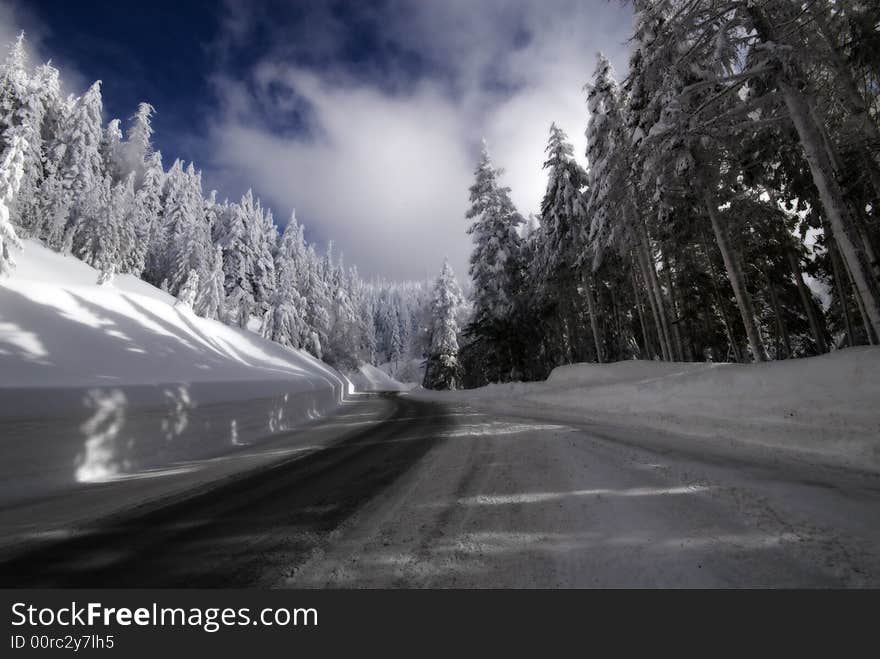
(185, 222)
(263, 238)
(98, 239)
(238, 261)
(22, 108)
(11, 172)
(442, 370)
(561, 249)
(211, 298)
(316, 303)
(148, 219)
(81, 165)
(186, 297)
(496, 272)
(137, 150)
(284, 321)
(111, 151)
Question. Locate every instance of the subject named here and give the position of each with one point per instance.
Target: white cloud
(378, 178)
(385, 174)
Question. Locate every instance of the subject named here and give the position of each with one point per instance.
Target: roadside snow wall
(827, 407)
(106, 382)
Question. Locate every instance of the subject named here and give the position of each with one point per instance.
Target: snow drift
(825, 407)
(100, 382)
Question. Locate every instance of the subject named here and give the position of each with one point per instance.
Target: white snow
(100, 382)
(373, 378)
(825, 408)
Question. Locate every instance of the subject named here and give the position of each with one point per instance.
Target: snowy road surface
(407, 493)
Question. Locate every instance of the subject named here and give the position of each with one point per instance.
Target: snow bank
(827, 406)
(99, 382)
(373, 378)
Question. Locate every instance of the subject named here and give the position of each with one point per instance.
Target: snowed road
(407, 493)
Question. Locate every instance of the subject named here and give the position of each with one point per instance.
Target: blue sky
(364, 116)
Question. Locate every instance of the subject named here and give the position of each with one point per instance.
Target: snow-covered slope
(373, 378)
(101, 381)
(824, 406)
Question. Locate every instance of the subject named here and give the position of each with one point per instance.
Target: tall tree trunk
(737, 282)
(807, 301)
(646, 340)
(644, 265)
(566, 341)
(860, 305)
(837, 271)
(618, 326)
(655, 289)
(782, 330)
(676, 319)
(591, 309)
(719, 300)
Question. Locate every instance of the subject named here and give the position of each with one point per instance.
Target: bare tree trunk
(591, 309)
(807, 301)
(837, 271)
(735, 277)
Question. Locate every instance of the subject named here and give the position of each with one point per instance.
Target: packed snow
(100, 382)
(823, 408)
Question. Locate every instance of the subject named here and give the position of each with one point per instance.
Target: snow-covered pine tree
(442, 369)
(111, 151)
(137, 149)
(396, 348)
(211, 298)
(186, 297)
(22, 108)
(123, 198)
(496, 271)
(238, 259)
(13, 87)
(562, 250)
(81, 165)
(54, 206)
(147, 253)
(284, 321)
(608, 160)
(11, 172)
(190, 235)
(98, 238)
(317, 303)
(263, 236)
(364, 331)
